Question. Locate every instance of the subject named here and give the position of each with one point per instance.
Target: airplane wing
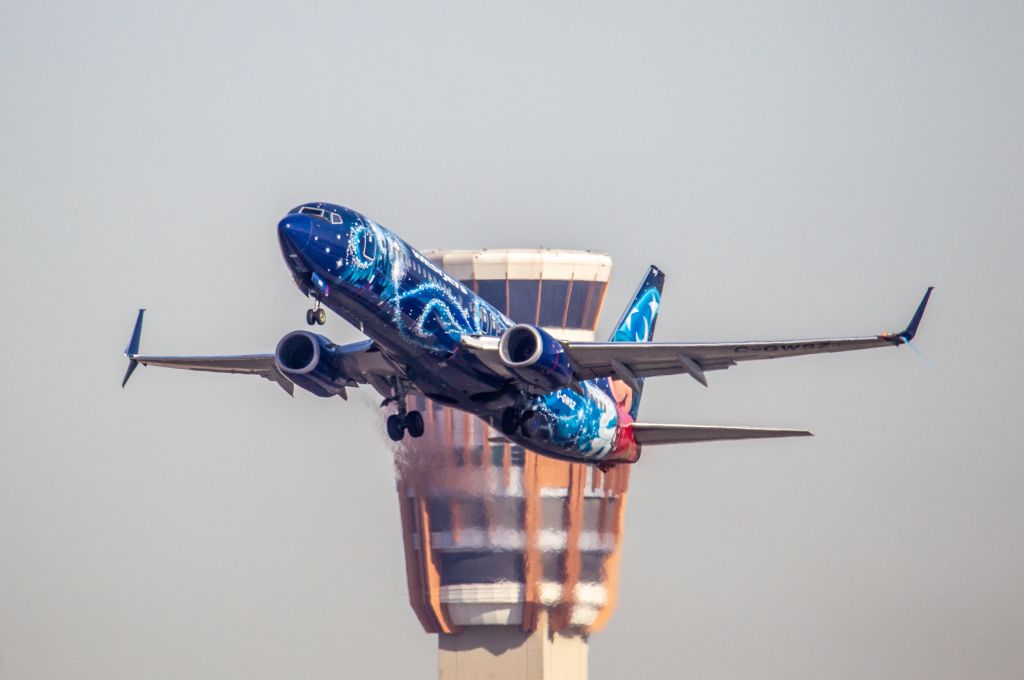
(248, 364)
(362, 361)
(628, 361)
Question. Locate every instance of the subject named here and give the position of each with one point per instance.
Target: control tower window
(480, 567)
(553, 294)
(473, 513)
(584, 302)
(440, 515)
(506, 512)
(591, 514)
(592, 567)
(518, 300)
(578, 294)
(522, 300)
(494, 292)
(594, 305)
(552, 513)
(552, 566)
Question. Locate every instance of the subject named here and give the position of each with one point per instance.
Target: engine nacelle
(310, 361)
(536, 357)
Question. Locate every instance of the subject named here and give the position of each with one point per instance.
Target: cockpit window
(307, 210)
(336, 218)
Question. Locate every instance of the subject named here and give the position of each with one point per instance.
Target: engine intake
(536, 357)
(298, 352)
(309, 361)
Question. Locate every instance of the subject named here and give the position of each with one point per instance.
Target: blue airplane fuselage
(417, 314)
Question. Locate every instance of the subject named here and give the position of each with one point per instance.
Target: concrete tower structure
(512, 558)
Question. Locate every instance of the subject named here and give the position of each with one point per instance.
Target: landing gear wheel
(414, 424)
(321, 316)
(396, 428)
(525, 426)
(310, 318)
(509, 421)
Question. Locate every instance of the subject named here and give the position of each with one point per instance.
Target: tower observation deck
(512, 558)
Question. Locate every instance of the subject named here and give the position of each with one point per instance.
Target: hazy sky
(796, 170)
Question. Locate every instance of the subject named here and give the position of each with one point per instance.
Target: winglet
(133, 348)
(911, 330)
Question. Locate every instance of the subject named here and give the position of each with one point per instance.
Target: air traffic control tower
(512, 558)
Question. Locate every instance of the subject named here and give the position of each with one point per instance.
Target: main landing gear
(403, 421)
(316, 316)
(513, 419)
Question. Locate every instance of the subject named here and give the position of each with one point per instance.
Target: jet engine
(312, 362)
(536, 357)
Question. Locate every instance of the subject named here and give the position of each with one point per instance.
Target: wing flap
(654, 433)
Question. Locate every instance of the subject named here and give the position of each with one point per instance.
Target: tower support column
(510, 653)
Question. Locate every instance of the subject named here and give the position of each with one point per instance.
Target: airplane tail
(637, 325)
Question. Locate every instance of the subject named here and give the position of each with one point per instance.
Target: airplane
(428, 333)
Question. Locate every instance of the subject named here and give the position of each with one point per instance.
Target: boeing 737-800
(429, 333)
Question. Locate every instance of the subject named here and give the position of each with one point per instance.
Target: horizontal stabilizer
(652, 433)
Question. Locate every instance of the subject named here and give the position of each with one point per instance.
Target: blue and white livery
(428, 333)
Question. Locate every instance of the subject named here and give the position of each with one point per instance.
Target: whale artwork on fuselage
(428, 333)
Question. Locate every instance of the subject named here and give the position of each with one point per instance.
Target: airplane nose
(295, 231)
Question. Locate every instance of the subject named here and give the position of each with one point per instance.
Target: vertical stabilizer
(637, 324)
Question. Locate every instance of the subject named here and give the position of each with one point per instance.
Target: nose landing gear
(316, 316)
(403, 421)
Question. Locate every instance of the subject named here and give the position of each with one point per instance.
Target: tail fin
(637, 322)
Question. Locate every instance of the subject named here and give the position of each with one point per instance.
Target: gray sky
(796, 170)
